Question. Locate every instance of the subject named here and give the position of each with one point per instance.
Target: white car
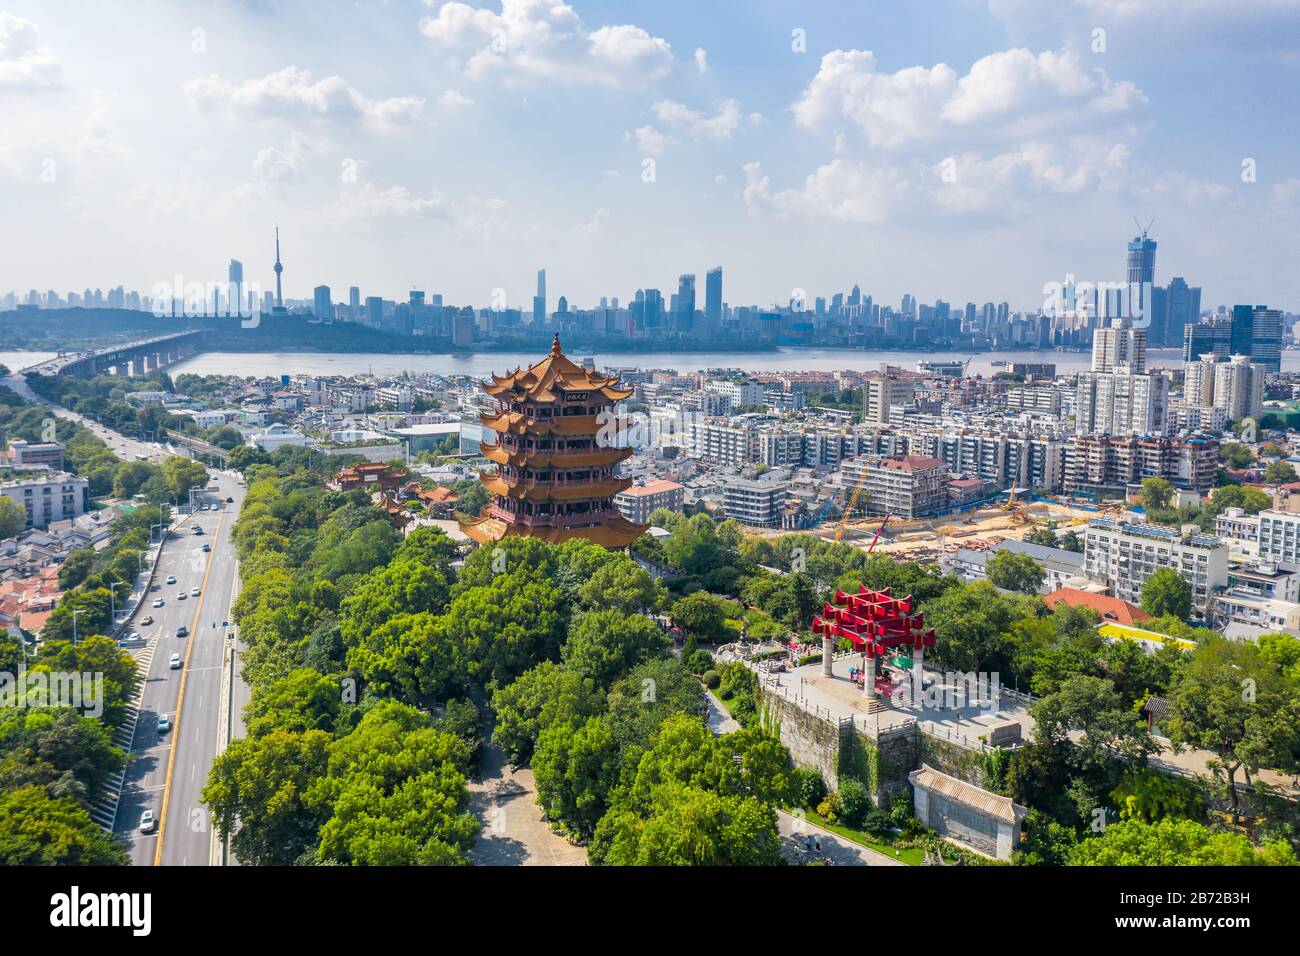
(171, 579)
(157, 602)
(148, 822)
(194, 591)
(175, 662)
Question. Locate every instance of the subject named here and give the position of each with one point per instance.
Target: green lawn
(912, 856)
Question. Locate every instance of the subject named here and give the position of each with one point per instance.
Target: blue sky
(957, 149)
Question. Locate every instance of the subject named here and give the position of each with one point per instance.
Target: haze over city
(963, 150)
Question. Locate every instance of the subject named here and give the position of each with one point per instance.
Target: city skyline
(964, 150)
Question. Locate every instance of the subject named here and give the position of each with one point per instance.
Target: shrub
(698, 661)
(854, 801)
(828, 809)
(711, 679)
(809, 787)
(877, 821)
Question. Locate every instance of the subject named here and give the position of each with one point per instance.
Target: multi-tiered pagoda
(554, 480)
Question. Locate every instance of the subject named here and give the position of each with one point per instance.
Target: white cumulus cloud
(26, 65)
(532, 40)
(294, 94)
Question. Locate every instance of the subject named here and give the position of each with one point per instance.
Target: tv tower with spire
(279, 268)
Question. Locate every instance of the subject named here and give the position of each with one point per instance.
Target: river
(480, 364)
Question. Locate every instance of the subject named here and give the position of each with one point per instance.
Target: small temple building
(554, 480)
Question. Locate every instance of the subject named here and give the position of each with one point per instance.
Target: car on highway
(148, 822)
(164, 724)
(171, 579)
(155, 587)
(194, 591)
(230, 500)
(182, 631)
(180, 595)
(133, 635)
(157, 602)
(198, 530)
(174, 662)
(146, 620)
(206, 547)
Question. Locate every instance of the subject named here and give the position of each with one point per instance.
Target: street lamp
(75, 612)
(112, 600)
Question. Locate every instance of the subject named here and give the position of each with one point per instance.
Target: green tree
(39, 830)
(182, 474)
(396, 795)
(1166, 593)
(1156, 493)
(413, 657)
(256, 790)
(303, 700)
(1175, 843)
(13, 518)
(1279, 473)
(544, 696)
(575, 768)
(603, 644)
(702, 616)
(688, 826)
(620, 585)
(1231, 701)
(1014, 572)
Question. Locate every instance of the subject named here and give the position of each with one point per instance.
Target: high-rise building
(685, 317)
(713, 300)
(1211, 337)
(235, 276)
(375, 311)
(539, 300)
(1236, 385)
(1122, 402)
(1141, 275)
(880, 392)
(1178, 307)
(1118, 346)
(322, 306)
(354, 303)
(1265, 337)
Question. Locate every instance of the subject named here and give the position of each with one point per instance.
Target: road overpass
(131, 358)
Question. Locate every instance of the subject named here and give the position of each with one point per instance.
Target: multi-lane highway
(168, 769)
(120, 445)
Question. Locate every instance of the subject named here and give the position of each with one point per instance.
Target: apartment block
(1123, 555)
(1103, 466)
(906, 487)
(48, 496)
(758, 503)
(880, 392)
(640, 501)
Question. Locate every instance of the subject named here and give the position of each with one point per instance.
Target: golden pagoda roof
(496, 485)
(517, 423)
(549, 379)
(615, 533)
(543, 459)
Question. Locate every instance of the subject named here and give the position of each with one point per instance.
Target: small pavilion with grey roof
(963, 814)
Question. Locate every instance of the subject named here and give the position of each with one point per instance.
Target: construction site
(978, 528)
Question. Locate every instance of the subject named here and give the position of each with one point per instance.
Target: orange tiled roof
(549, 379)
(618, 532)
(1108, 608)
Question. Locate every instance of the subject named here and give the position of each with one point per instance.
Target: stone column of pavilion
(828, 654)
(869, 669)
(918, 673)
